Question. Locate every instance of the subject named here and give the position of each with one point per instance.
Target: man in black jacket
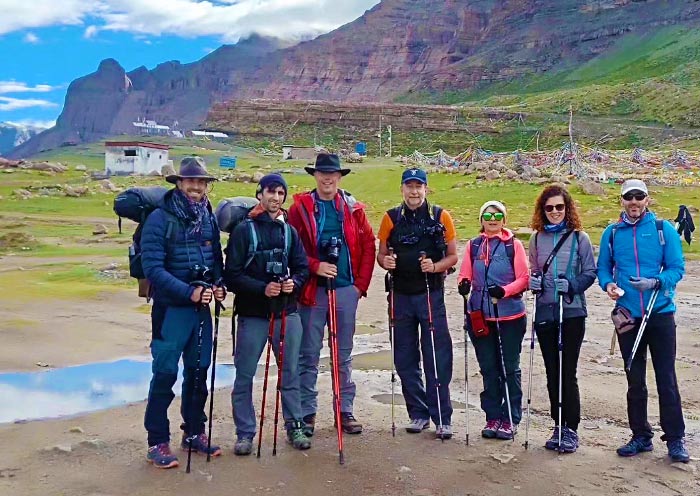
(266, 267)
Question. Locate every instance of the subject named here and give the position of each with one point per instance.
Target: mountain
(13, 135)
(411, 50)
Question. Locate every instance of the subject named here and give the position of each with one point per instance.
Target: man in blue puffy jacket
(180, 245)
(640, 255)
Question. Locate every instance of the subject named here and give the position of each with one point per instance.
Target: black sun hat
(327, 162)
(191, 168)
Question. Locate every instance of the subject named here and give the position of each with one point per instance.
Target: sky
(46, 44)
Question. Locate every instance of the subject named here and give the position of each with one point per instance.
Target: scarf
(191, 212)
(629, 221)
(554, 228)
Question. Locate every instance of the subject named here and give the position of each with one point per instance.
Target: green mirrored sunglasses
(492, 216)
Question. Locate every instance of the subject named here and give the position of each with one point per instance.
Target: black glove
(496, 291)
(464, 287)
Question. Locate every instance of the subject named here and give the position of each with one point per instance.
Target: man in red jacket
(327, 219)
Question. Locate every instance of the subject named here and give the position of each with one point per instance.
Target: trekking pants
(410, 311)
(313, 321)
(573, 330)
(493, 398)
(178, 328)
(251, 341)
(660, 337)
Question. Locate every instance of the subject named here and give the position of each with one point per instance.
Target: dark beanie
(272, 180)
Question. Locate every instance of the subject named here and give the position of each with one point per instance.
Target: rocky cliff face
(398, 47)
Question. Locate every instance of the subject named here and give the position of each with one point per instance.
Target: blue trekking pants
(176, 334)
(251, 341)
(488, 354)
(410, 311)
(313, 321)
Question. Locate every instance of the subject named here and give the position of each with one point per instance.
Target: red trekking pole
(280, 366)
(335, 374)
(270, 333)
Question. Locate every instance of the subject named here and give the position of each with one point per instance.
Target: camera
(201, 273)
(274, 268)
(332, 249)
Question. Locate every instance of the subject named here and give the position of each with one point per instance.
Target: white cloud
(31, 38)
(20, 87)
(32, 123)
(227, 19)
(7, 103)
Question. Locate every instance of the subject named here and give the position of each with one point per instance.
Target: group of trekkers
(295, 273)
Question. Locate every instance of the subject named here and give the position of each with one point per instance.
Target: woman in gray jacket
(560, 278)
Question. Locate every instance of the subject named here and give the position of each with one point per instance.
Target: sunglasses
(492, 216)
(634, 196)
(559, 207)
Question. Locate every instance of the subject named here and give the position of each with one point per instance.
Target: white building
(151, 128)
(135, 157)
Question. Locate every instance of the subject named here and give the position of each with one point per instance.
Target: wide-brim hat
(327, 162)
(191, 168)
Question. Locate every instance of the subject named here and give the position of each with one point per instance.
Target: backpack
(476, 244)
(232, 211)
(659, 228)
(137, 204)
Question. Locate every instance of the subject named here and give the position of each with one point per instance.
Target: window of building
(129, 153)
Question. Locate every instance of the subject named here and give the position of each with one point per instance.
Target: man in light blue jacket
(638, 255)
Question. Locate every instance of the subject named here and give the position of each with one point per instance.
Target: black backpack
(137, 204)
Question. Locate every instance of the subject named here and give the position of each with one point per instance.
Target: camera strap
(253, 244)
(554, 251)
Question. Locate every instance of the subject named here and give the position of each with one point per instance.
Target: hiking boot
(309, 424)
(298, 439)
(506, 431)
(489, 431)
(443, 432)
(553, 442)
(569, 441)
(243, 446)
(677, 451)
(349, 424)
(200, 445)
(416, 426)
(161, 456)
(636, 445)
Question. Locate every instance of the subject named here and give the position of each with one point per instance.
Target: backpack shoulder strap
(660, 229)
(474, 246)
(171, 228)
(252, 242)
(287, 238)
(437, 213)
(510, 251)
(394, 214)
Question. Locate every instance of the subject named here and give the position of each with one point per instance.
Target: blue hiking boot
(636, 445)
(569, 441)
(553, 442)
(677, 451)
(161, 456)
(200, 445)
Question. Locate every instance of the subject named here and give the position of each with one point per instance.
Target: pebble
(502, 457)
(77, 430)
(404, 469)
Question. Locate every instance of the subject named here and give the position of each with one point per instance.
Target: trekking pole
(195, 386)
(466, 365)
(335, 369)
(613, 342)
(218, 307)
(560, 346)
(280, 366)
(390, 287)
(503, 362)
(270, 334)
(642, 327)
(431, 327)
(529, 374)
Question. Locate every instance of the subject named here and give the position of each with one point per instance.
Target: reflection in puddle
(84, 388)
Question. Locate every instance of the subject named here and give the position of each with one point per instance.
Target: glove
(562, 284)
(464, 287)
(496, 291)
(644, 283)
(536, 283)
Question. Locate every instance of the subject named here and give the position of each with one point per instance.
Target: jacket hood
(504, 235)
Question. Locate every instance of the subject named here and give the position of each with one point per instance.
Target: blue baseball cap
(414, 175)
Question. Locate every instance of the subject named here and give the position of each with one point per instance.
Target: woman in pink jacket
(495, 271)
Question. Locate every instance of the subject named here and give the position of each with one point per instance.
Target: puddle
(81, 389)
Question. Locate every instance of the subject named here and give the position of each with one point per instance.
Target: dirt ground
(103, 453)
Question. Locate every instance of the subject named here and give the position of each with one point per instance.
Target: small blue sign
(361, 148)
(227, 162)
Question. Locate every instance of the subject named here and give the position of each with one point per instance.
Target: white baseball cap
(493, 203)
(634, 185)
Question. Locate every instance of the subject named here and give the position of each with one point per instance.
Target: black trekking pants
(573, 330)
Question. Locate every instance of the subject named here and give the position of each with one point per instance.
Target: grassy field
(57, 230)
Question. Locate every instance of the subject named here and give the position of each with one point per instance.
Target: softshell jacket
(580, 272)
(169, 254)
(248, 283)
(638, 251)
(512, 276)
(357, 232)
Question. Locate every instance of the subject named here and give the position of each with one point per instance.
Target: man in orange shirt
(424, 249)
